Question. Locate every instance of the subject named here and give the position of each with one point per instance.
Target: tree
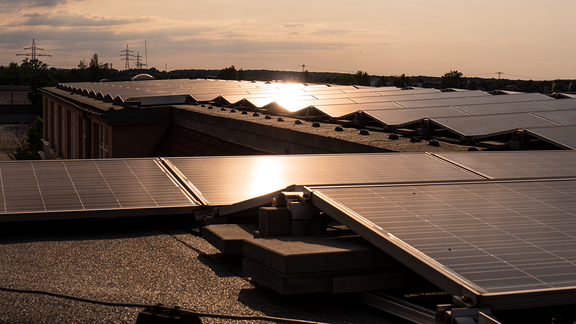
(362, 78)
(98, 70)
(401, 81)
(382, 82)
(228, 73)
(346, 79)
(453, 79)
(37, 75)
(33, 144)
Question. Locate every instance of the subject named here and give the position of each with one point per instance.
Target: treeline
(37, 74)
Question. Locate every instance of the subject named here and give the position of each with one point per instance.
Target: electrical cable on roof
(181, 310)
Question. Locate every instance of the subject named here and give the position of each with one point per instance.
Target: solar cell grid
(500, 245)
(82, 185)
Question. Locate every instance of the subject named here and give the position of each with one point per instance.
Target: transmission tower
(127, 57)
(499, 74)
(33, 50)
(139, 64)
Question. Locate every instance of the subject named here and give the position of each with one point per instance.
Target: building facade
(77, 129)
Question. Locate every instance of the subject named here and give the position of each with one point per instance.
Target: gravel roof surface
(143, 261)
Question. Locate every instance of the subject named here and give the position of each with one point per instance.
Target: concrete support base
(335, 262)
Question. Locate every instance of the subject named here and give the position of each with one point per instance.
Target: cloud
(68, 19)
(331, 31)
(33, 3)
(286, 25)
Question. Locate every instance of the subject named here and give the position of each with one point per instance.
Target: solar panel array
(461, 112)
(506, 242)
(487, 225)
(488, 238)
(50, 189)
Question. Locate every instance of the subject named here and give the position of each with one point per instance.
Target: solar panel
(454, 94)
(399, 117)
(487, 125)
(514, 98)
(518, 164)
(437, 102)
(86, 185)
(563, 104)
(564, 117)
(564, 136)
(506, 108)
(229, 180)
(495, 243)
(338, 111)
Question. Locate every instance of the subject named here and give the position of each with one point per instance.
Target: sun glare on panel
(288, 96)
(267, 174)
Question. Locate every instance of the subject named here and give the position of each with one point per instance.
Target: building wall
(73, 133)
(135, 140)
(67, 131)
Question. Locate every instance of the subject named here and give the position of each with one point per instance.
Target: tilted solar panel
(76, 186)
(497, 244)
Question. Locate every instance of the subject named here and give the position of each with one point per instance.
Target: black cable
(161, 307)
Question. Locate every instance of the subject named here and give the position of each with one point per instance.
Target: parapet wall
(267, 135)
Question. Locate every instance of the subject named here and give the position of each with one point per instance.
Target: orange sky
(524, 39)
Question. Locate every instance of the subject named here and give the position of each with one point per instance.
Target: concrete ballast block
(274, 221)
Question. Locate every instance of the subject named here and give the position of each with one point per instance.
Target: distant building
(15, 108)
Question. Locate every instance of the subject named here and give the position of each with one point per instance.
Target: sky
(524, 39)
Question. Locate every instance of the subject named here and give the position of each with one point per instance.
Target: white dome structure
(143, 76)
